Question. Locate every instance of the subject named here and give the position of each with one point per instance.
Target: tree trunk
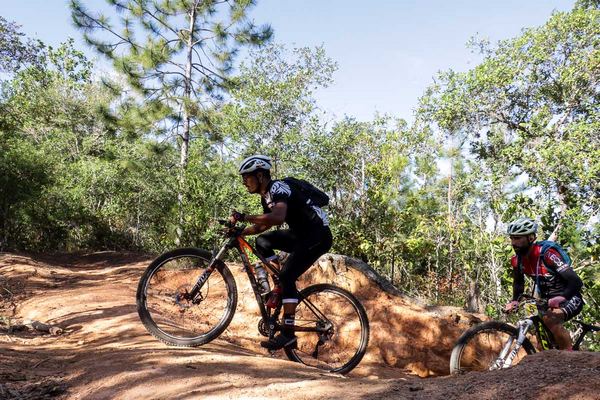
(450, 230)
(564, 207)
(474, 297)
(185, 134)
(362, 193)
(4, 216)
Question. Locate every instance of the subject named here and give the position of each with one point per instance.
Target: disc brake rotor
(182, 298)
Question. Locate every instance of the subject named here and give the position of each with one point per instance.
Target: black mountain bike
(187, 297)
(495, 345)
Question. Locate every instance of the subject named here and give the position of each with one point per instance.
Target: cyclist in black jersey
(307, 238)
(555, 279)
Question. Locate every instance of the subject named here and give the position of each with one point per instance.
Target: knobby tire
(178, 322)
(474, 351)
(345, 344)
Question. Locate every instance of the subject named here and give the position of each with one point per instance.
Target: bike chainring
(263, 328)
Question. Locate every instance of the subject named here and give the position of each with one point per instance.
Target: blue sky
(387, 50)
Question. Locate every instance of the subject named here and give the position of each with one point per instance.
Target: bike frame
(544, 336)
(582, 331)
(245, 249)
(542, 333)
(546, 339)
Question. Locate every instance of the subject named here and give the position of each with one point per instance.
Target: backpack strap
(521, 271)
(519, 263)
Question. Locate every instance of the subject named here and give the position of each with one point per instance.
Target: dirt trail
(105, 353)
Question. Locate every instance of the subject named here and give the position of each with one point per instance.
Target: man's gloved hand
(511, 306)
(238, 216)
(556, 301)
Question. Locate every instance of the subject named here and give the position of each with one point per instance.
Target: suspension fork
(195, 292)
(505, 358)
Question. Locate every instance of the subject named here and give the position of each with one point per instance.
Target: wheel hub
(182, 298)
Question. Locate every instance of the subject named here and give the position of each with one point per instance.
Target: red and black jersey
(552, 271)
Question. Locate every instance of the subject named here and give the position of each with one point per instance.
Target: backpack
(547, 245)
(312, 195)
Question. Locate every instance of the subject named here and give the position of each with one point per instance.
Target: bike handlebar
(525, 299)
(233, 229)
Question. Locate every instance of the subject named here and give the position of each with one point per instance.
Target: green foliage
(530, 107)
(15, 52)
(528, 114)
(178, 55)
(69, 179)
(24, 173)
(88, 164)
(272, 105)
(175, 53)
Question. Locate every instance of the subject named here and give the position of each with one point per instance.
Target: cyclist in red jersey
(555, 279)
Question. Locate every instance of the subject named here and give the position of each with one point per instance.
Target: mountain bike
(495, 345)
(187, 297)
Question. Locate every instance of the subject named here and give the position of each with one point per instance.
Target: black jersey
(301, 217)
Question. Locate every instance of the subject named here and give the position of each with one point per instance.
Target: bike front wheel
(332, 329)
(164, 304)
(486, 347)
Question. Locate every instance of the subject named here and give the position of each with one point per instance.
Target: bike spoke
(481, 352)
(170, 305)
(330, 332)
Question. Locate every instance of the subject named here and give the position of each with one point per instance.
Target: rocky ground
(100, 350)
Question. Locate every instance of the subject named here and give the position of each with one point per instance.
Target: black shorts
(303, 251)
(572, 307)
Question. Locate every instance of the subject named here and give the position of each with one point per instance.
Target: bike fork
(505, 358)
(204, 277)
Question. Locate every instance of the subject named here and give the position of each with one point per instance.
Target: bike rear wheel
(344, 324)
(167, 312)
(479, 348)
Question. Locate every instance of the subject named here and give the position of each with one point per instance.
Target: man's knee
(554, 318)
(263, 245)
(286, 276)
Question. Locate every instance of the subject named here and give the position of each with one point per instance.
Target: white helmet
(255, 162)
(522, 226)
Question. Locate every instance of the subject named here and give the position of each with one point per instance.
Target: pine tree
(177, 54)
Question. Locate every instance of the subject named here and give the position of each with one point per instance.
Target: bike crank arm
(319, 329)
